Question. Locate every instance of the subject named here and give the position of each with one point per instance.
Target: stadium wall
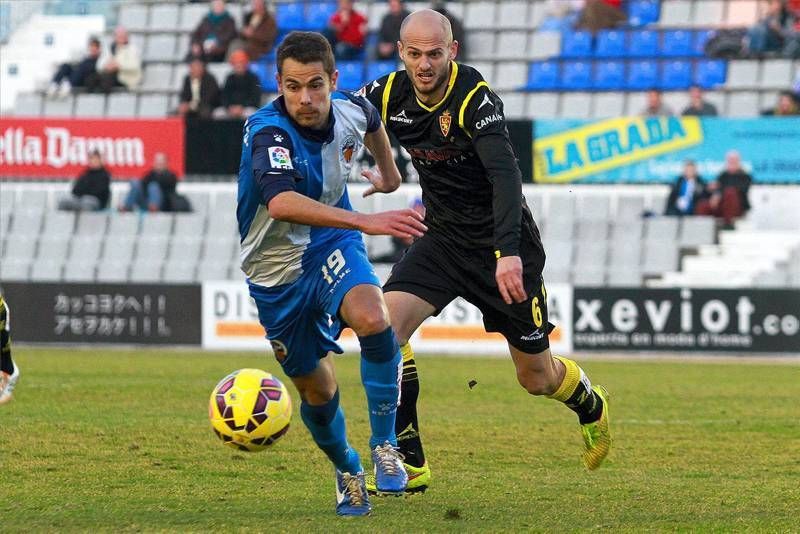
(220, 315)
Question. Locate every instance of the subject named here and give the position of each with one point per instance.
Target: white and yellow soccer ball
(250, 410)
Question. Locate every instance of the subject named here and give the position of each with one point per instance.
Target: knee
(370, 320)
(317, 394)
(537, 383)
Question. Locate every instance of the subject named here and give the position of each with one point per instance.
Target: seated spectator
(769, 33)
(389, 33)
(601, 15)
(729, 192)
(791, 47)
(455, 24)
(91, 190)
(347, 31)
(154, 190)
(241, 95)
(400, 244)
(211, 38)
(71, 75)
(697, 105)
(655, 105)
(122, 67)
(200, 92)
(686, 192)
(787, 106)
(259, 30)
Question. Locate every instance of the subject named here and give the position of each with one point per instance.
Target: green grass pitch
(120, 441)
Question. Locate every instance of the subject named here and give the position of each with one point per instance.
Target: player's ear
(453, 50)
(334, 79)
(278, 79)
(400, 51)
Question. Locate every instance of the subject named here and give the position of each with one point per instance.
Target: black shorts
(438, 273)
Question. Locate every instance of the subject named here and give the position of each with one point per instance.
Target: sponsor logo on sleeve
(279, 157)
(485, 101)
(401, 117)
(486, 121)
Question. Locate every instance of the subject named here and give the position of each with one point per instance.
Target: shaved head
(426, 22)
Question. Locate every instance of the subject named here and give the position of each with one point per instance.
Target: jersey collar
(324, 135)
(450, 84)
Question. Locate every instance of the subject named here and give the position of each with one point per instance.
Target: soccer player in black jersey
(9, 372)
(482, 243)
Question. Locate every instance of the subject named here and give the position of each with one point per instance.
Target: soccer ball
(250, 410)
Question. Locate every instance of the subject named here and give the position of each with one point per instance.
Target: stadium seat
(659, 257)
(592, 230)
(179, 272)
(59, 224)
(220, 71)
(624, 277)
(696, 231)
(588, 276)
(46, 270)
(610, 43)
(160, 47)
(511, 75)
(561, 211)
(351, 74)
(118, 248)
(543, 75)
(544, 44)
(290, 16)
(576, 75)
(191, 14)
(576, 105)
(265, 72)
(676, 43)
(79, 271)
(676, 13)
(92, 224)
(699, 40)
(318, 14)
(707, 11)
(536, 14)
(595, 208)
(607, 105)
(154, 106)
(84, 249)
(514, 105)
(216, 270)
(480, 14)
(156, 224)
(59, 107)
(134, 17)
(542, 105)
(184, 248)
(146, 270)
(20, 246)
(741, 13)
(481, 44)
(113, 271)
(626, 252)
(14, 269)
(661, 228)
(87, 105)
(675, 75)
(28, 105)
(776, 74)
(609, 75)
(512, 44)
(642, 75)
(643, 43)
(743, 104)
(121, 105)
(643, 12)
(512, 14)
(710, 73)
(576, 44)
(157, 77)
(742, 73)
(123, 225)
(164, 17)
(376, 69)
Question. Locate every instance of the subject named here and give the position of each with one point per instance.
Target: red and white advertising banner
(59, 148)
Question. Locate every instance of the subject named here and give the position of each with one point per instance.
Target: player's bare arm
(295, 208)
(386, 178)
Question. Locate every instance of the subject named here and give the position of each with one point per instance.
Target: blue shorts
(301, 319)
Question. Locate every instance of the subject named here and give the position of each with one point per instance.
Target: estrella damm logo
(600, 146)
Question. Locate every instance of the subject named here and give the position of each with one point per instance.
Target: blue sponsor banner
(652, 149)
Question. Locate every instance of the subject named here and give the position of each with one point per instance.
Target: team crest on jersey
(279, 349)
(445, 119)
(348, 148)
(279, 157)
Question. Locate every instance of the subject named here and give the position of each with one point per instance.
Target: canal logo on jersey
(445, 120)
(279, 157)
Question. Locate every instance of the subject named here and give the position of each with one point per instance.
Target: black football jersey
(469, 174)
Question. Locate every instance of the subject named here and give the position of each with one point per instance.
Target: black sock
(406, 426)
(6, 364)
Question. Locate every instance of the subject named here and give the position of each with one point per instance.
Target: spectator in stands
(769, 33)
(75, 75)
(211, 38)
(455, 24)
(687, 191)
(601, 15)
(200, 92)
(787, 106)
(154, 190)
(400, 244)
(347, 30)
(729, 192)
(259, 30)
(122, 67)
(91, 190)
(698, 106)
(241, 95)
(389, 33)
(655, 105)
(791, 48)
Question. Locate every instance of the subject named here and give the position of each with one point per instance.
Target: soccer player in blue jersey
(305, 259)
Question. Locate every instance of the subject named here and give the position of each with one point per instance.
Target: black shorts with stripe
(438, 272)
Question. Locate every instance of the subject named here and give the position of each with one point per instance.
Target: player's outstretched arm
(295, 208)
(387, 177)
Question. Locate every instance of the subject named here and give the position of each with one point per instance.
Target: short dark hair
(306, 47)
(94, 41)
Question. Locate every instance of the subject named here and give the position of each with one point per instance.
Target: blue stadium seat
(676, 43)
(675, 75)
(699, 41)
(610, 43)
(710, 73)
(642, 75)
(576, 44)
(318, 13)
(351, 75)
(643, 12)
(265, 71)
(643, 43)
(576, 75)
(290, 16)
(543, 76)
(376, 69)
(609, 75)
